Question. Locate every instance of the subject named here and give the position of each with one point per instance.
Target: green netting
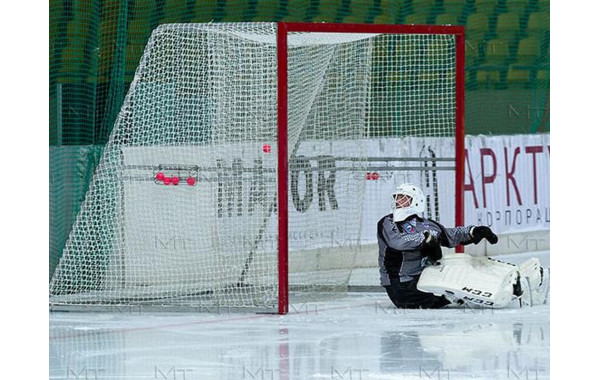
(95, 47)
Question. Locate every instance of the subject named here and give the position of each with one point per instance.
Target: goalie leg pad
(538, 278)
(477, 280)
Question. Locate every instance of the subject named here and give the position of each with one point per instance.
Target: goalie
(415, 274)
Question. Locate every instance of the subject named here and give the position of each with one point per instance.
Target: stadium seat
(538, 24)
(521, 72)
(519, 7)
(363, 12)
(266, 10)
(105, 61)
(236, 11)
(84, 7)
(143, 9)
(477, 27)
(296, 11)
(138, 31)
(487, 7)
(174, 11)
(390, 12)
(497, 53)
(57, 18)
(108, 28)
(416, 19)
(384, 18)
(528, 51)
(518, 75)
(446, 19)
(77, 31)
(83, 11)
(507, 26)
(72, 62)
(358, 17)
(57, 9)
(454, 7)
(544, 6)
(110, 8)
(328, 11)
(423, 7)
(206, 11)
(132, 60)
(106, 47)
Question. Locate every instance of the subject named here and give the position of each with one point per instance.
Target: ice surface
(361, 336)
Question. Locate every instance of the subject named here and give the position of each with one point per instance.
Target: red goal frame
(283, 29)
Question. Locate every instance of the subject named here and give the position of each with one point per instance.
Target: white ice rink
(361, 336)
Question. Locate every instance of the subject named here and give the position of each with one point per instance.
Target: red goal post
(283, 31)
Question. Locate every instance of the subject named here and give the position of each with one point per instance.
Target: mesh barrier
(96, 45)
(181, 208)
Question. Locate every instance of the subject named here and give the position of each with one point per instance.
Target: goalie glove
(431, 247)
(480, 232)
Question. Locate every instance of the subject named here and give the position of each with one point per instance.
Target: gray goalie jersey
(400, 245)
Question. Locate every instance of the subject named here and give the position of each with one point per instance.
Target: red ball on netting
(175, 180)
(191, 181)
(267, 148)
(167, 180)
(160, 176)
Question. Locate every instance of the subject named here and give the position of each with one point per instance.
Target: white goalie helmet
(407, 200)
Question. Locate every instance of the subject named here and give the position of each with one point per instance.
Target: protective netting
(181, 210)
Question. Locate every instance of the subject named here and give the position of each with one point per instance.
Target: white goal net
(182, 210)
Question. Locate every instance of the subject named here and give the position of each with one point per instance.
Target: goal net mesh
(182, 209)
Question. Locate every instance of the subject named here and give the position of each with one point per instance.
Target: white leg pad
(538, 278)
(477, 280)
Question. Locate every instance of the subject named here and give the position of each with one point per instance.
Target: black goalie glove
(480, 232)
(431, 247)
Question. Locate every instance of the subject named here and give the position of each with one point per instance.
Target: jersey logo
(408, 228)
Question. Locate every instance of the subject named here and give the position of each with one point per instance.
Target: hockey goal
(251, 161)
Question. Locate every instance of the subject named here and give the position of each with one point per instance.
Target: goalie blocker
(485, 282)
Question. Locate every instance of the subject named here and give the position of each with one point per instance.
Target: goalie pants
(405, 295)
